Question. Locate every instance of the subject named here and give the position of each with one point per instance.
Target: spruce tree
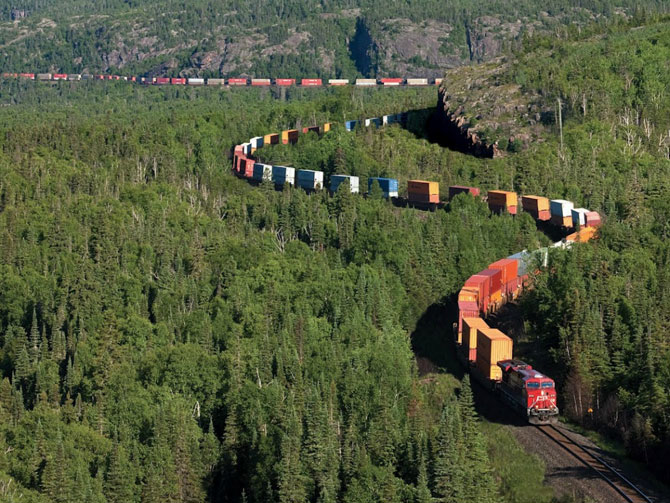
(119, 481)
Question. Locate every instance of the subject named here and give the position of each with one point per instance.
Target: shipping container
(309, 179)
(271, 139)
(326, 127)
(262, 172)
(422, 191)
(74, 76)
(389, 119)
(285, 82)
(312, 129)
(438, 82)
(561, 208)
(133, 79)
(178, 81)
(216, 82)
(261, 82)
(481, 283)
(337, 180)
(256, 142)
(454, 190)
(593, 219)
(493, 346)
(509, 268)
(160, 81)
(543, 215)
(237, 82)
(417, 82)
(534, 203)
(501, 201)
(581, 236)
(373, 122)
(391, 81)
(30, 76)
(338, 82)
(469, 338)
(579, 216)
(289, 136)
(311, 82)
(196, 82)
(43, 76)
(282, 175)
(495, 280)
(465, 310)
(469, 294)
(389, 186)
(491, 372)
(350, 125)
(560, 221)
(60, 76)
(246, 148)
(247, 167)
(366, 82)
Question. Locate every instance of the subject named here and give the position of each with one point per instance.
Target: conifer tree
(119, 481)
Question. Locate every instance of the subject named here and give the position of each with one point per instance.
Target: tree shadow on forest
(433, 340)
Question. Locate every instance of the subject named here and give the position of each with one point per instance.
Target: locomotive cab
(530, 391)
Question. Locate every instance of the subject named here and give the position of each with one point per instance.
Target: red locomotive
(533, 393)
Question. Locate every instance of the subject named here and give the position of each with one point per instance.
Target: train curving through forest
(486, 352)
(230, 82)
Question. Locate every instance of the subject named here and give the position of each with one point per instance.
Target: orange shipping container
(535, 203)
(509, 268)
(468, 295)
(423, 191)
(493, 346)
(560, 221)
(289, 136)
(470, 328)
(502, 198)
(271, 139)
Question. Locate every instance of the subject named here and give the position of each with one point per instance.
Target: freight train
(486, 352)
(230, 82)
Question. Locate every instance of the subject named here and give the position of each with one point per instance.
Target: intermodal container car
(237, 82)
(177, 81)
(60, 76)
(285, 82)
(262, 172)
(43, 76)
(389, 186)
(501, 201)
(338, 82)
(261, 82)
(422, 191)
(465, 310)
(391, 81)
(337, 180)
(492, 346)
(271, 139)
(161, 81)
(417, 82)
(74, 76)
(309, 179)
(196, 82)
(216, 82)
(30, 76)
(366, 82)
(311, 82)
(454, 190)
(289, 136)
(282, 175)
(469, 336)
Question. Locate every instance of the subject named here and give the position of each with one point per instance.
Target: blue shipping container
(350, 125)
(389, 186)
(262, 172)
(337, 180)
(309, 179)
(282, 175)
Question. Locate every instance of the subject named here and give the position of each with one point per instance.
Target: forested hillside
(295, 38)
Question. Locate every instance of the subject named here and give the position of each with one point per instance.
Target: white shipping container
(579, 216)
(366, 82)
(246, 148)
(561, 207)
(337, 180)
(417, 82)
(196, 82)
(338, 82)
(256, 142)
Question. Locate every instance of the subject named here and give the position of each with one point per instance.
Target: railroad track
(628, 491)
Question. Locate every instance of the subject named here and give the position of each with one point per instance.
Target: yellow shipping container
(495, 300)
(493, 346)
(326, 127)
(468, 295)
(470, 329)
(535, 203)
(502, 198)
(423, 187)
(492, 372)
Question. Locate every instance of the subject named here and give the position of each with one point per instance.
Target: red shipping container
(260, 82)
(544, 215)
(593, 219)
(311, 82)
(502, 209)
(178, 81)
(466, 310)
(512, 287)
(133, 79)
(162, 81)
(392, 81)
(509, 268)
(285, 82)
(454, 190)
(60, 76)
(247, 167)
(481, 283)
(495, 280)
(237, 82)
(314, 129)
(28, 76)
